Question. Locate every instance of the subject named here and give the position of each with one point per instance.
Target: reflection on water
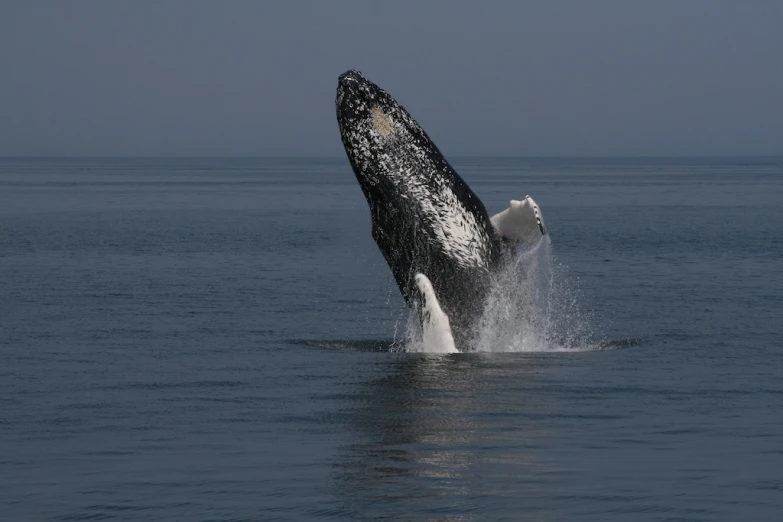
(422, 431)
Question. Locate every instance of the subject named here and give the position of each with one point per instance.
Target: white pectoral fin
(436, 329)
(521, 221)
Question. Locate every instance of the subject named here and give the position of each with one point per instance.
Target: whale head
(374, 129)
(365, 112)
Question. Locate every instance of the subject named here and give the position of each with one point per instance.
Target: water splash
(532, 307)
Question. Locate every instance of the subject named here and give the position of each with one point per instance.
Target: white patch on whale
(521, 221)
(455, 228)
(436, 334)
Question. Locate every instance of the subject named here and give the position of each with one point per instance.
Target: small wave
(370, 345)
(402, 346)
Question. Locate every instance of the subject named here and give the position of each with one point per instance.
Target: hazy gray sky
(680, 77)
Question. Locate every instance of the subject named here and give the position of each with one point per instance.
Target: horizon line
(337, 157)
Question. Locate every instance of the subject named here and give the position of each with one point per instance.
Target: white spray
(532, 307)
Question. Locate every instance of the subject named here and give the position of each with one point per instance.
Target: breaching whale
(432, 229)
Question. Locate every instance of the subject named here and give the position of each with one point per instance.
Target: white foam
(532, 307)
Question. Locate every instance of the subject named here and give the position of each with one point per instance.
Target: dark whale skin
(425, 218)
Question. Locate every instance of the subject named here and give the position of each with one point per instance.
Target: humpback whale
(434, 232)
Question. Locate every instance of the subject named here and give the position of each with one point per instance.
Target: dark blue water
(207, 339)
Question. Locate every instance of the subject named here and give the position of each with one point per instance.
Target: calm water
(191, 339)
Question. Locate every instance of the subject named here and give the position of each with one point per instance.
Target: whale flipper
(521, 222)
(436, 328)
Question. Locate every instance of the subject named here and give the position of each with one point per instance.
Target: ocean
(219, 339)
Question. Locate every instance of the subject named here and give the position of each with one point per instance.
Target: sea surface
(220, 339)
